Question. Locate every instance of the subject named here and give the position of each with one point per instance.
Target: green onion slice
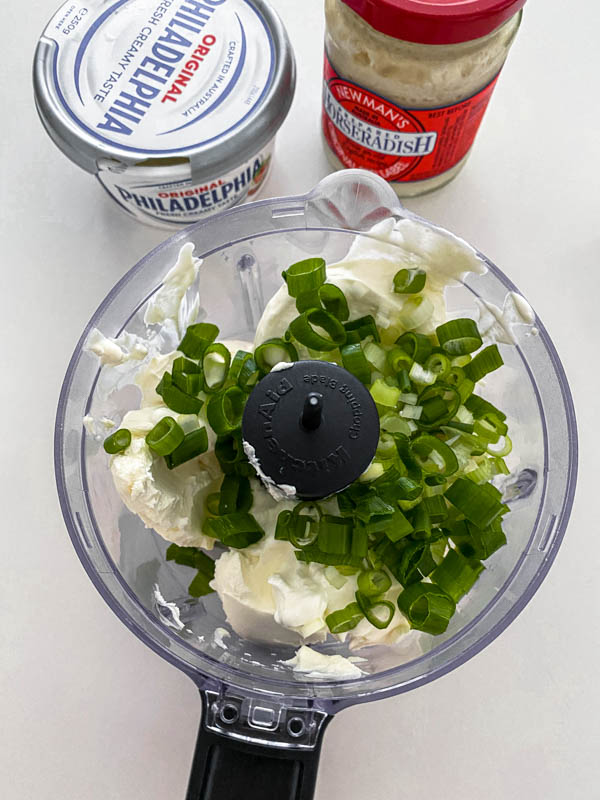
(361, 328)
(439, 364)
(195, 558)
(440, 402)
(215, 366)
(237, 530)
(334, 301)
(282, 528)
(354, 360)
(378, 612)
(235, 495)
(433, 456)
(230, 453)
(117, 441)
(274, 351)
(417, 345)
(456, 575)
(165, 436)
(459, 336)
(345, 619)
(314, 553)
(187, 376)
(305, 276)
(480, 407)
(176, 399)
(197, 338)
(478, 503)
(335, 534)
(193, 445)
(374, 582)
(211, 504)
(399, 360)
(318, 330)
(224, 410)
(409, 281)
(384, 394)
(427, 607)
(244, 371)
(488, 360)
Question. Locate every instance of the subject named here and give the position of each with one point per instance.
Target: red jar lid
(435, 21)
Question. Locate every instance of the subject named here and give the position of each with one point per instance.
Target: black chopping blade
(313, 426)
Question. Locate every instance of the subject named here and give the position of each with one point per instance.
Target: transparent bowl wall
(244, 252)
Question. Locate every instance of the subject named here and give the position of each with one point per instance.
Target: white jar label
(156, 195)
(161, 77)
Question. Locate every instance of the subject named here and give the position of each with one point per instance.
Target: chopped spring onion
(195, 558)
(197, 338)
(406, 569)
(175, 399)
(244, 371)
(193, 445)
(436, 508)
(491, 427)
(456, 575)
(230, 453)
(411, 398)
(187, 376)
(392, 423)
(335, 578)
(237, 530)
(459, 336)
(478, 543)
(372, 506)
(385, 395)
(318, 330)
(465, 389)
(118, 441)
(211, 504)
(427, 607)
(415, 311)
(417, 345)
(282, 527)
(501, 448)
(318, 556)
(421, 522)
(398, 527)
(274, 351)
(408, 489)
(224, 410)
(375, 355)
(345, 619)
(411, 412)
(420, 375)
(304, 528)
(378, 612)
(438, 363)
(478, 505)
(409, 281)
(335, 534)
(334, 301)
(398, 359)
(480, 407)
(360, 542)
(305, 276)
(354, 360)
(486, 361)
(433, 456)
(373, 582)
(373, 471)
(386, 448)
(440, 403)
(165, 437)
(235, 495)
(361, 328)
(215, 365)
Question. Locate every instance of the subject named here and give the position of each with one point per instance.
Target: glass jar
(407, 84)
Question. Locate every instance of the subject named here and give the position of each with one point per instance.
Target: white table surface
(88, 712)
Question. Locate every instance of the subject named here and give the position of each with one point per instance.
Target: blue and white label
(167, 197)
(161, 77)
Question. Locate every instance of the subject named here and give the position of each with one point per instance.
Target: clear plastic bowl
(244, 251)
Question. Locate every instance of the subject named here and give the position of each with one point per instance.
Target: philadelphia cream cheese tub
(172, 104)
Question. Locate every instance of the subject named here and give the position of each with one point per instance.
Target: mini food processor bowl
(251, 700)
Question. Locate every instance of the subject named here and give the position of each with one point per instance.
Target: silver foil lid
(131, 80)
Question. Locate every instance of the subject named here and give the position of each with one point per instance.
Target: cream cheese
(499, 325)
(318, 666)
(278, 491)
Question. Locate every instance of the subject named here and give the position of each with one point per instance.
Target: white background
(87, 712)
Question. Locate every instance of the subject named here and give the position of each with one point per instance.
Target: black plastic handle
(226, 768)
